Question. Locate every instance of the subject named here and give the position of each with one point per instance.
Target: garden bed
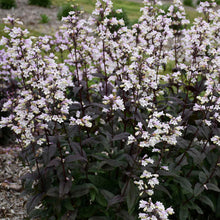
(113, 128)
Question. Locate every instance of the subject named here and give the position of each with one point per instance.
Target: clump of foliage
(7, 4)
(188, 3)
(108, 129)
(217, 1)
(65, 9)
(44, 19)
(42, 3)
(120, 15)
(164, 7)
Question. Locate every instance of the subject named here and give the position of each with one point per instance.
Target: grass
(131, 8)
(2, 33)
(191, 14)
(32, 32)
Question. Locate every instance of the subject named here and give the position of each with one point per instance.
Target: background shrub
(164, 7)
(43, 3)
(188, 3)
(65, 9)
(44, 19)
(7, 4)
(119, 15)
(217, 1)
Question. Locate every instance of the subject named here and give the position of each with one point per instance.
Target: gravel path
(31, 16)
(12, 205)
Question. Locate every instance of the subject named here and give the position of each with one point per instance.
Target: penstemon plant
(107, 128)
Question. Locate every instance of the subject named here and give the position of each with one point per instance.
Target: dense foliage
(118, 14)
(118, 123)
(44, 19)
(7, 4)
(42, 3)
(188, 2)
(217, 1)
(65, 9)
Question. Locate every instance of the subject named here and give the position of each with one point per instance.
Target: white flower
(131, 139)
(153, 181)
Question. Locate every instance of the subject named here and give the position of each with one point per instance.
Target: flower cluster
(42, 84)
(100, 102)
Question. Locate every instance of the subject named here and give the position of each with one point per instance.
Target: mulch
(12, 203)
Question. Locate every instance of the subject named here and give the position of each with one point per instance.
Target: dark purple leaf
(121, 136)
(72, 158)
(81, 190)
(34, 201)
(64, 187)
(52, 150)
(115, 200)
(54, 163)
(53, 192)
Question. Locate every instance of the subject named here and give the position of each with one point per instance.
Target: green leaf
(207, 201)
(88, 211)
(124, 215)
(163, 189)
(35, 214)
(131, 196)
(108, 195)
(213, 187)
(81, 190)
(101, 200)
(196, 207)
(113, 163)
(70, 215)
(198, 189)
(99, 218)
(202, 177)
(68, 205)
(218, 206)
(183, 161)
(196, 155)
(99, 181)
(184, 213)
(92, 195)
(185, 184)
